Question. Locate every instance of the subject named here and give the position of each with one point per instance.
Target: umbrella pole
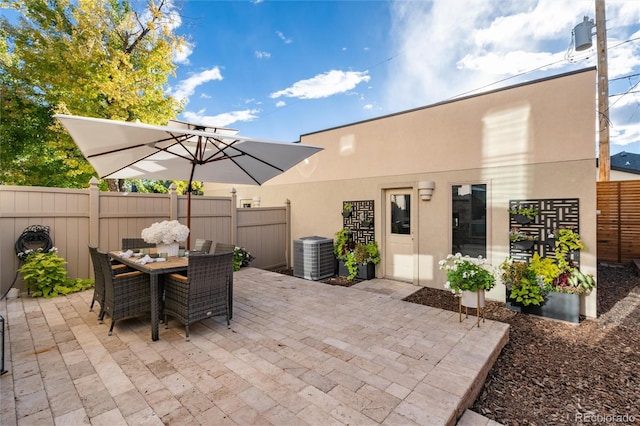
(189, 217)
(189, 189)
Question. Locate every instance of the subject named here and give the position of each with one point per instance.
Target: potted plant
(362, 263)
(544, 288)
(365, 221)
(347, 209)
(166, 235)
(520, 240)
(241, 258)
(355, 260)
(523, 286)
(523, 214)
(468, 275)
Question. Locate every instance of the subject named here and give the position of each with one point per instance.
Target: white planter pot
(471, 299)
(170, 249)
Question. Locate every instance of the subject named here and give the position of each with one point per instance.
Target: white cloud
(449, 47)
(262, 55)
(282, 37)
(221, 120)
(280, 104)
(181, 56)
(510, 63)
(324, 85)
(187, 87)
(368, 107)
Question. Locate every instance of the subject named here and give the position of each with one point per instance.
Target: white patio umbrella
(128, 150)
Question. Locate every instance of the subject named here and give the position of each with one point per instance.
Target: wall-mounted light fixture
(425, 189)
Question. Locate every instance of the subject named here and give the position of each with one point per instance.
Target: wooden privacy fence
(82, 217)
(618, 204)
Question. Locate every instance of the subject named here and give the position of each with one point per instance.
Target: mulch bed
(552, 372)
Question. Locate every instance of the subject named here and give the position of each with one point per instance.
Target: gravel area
(555, 373)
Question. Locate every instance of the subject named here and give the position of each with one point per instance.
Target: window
(400, 213)
(469, 221)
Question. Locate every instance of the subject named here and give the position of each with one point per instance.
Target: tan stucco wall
(618, 175)
(531, 141)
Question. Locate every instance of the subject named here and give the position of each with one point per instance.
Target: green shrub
(45, 274)
(241, 258)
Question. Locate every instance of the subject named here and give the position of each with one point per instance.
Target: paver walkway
(298, 353)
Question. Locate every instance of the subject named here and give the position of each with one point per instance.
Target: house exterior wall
(529, 141)
(618, 175)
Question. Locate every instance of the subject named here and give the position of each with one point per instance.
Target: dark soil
(552, 372)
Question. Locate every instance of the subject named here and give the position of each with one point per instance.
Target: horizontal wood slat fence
(618, 204)
(82, 217)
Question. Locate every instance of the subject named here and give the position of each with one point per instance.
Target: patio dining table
(155, 271)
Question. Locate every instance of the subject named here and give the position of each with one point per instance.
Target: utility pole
(603, 93)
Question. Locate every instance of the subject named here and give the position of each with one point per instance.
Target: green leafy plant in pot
(524, 286)
(528, 212)
(347, 209)
(362, 254)
(465, 273)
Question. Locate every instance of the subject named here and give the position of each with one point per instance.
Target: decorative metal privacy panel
(553, 214)
(360, 221)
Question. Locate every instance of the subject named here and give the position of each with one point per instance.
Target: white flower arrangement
(467, 273)
(165, 232)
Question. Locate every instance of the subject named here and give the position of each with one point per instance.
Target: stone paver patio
(298, 353)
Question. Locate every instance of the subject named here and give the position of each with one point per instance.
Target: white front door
(399, 230)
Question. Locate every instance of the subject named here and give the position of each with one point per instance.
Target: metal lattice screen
(553, 214)
(360, 222)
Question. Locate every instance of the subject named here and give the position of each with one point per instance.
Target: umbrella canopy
(128, 150)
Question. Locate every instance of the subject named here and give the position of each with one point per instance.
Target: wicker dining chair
(125, 295)
(202, 294)
(135, 243)
(98, 288)
(203, 246)
(223, 248)
(227, 248)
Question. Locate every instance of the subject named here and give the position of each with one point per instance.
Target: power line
(541, 67)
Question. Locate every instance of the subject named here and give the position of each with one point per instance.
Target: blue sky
(280, 69)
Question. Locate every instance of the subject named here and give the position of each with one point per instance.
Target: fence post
(234, 216)
(287, 227)
(94, 213)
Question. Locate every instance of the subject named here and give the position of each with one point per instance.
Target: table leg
(155, 308)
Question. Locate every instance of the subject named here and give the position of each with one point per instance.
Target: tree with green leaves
(96, 58)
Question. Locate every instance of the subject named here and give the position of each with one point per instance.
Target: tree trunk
(115, 185)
